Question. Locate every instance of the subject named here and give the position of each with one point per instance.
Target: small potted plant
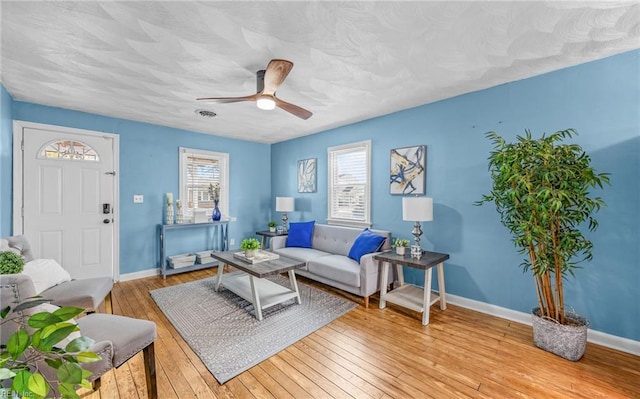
(272, 226)
(401, 245)
(250, 246)
(10, 263)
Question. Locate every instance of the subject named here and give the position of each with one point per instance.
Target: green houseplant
(250, 246)
(11, 262)
(43, 341)
(272, 226)
(401, 244)
(541, 192)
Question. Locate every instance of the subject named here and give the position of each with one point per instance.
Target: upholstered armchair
(117, 338)
(87, 293)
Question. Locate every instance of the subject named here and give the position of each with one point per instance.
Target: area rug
(221, 329)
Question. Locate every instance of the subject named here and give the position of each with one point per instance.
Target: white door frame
(18, 163)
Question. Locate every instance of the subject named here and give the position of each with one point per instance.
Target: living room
(599, 98)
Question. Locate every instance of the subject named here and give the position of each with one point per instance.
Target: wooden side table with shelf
(411, 296)
(219, 243)
(268, 234)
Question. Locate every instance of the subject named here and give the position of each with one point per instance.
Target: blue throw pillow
(300, 234)
(366, 243)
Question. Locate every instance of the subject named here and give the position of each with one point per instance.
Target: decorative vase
(169, 215)
(250, 253)
(179, 216)
(216, 215)
(400, 250)
(565, 340)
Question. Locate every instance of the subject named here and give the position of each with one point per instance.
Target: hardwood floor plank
(381, 354)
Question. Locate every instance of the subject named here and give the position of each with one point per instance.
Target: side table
(267, 233)
(411, 296)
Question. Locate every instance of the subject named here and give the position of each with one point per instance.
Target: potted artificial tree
(541, 191)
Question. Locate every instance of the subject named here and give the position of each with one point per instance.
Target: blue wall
(149, 165)
(6, 164)
(600, 99)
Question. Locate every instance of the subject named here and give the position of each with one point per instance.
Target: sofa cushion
(302, 254)
(366, 243)
(300, 234)
(337, 268)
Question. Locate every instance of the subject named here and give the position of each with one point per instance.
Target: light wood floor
(373, 353)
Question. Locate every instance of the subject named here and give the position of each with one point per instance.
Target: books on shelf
(181, 260)
(204, 257)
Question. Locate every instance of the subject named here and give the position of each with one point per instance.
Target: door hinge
(22, 145)
(110, 173)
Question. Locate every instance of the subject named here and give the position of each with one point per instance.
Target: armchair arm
(370, 275)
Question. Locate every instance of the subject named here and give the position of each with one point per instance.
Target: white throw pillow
(45, 273)
(47, 307)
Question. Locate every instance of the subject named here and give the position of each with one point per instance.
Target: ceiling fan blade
(252, 97)
(276, 72)
(293, 109)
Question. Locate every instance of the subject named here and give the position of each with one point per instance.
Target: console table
(219, 242)
(411, 296)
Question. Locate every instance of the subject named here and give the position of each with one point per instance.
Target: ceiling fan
(268, 82)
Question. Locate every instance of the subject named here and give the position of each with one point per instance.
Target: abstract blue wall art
(307, 175)
(408, 170)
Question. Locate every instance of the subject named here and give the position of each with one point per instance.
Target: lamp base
(285, 218)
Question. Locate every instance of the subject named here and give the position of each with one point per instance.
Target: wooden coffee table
(253, 285)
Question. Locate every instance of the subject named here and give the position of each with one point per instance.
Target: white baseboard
(140, 274)
(593, 336)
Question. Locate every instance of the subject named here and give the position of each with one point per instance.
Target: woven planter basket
(565, 341)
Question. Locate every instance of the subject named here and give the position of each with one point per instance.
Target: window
(199, 169)
(69, 151)
(350, 184)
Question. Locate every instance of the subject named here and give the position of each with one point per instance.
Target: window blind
(201, 172)
(349, 183)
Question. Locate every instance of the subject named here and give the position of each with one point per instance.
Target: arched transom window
(69, 150)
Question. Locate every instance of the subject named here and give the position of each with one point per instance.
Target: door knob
(106, 221)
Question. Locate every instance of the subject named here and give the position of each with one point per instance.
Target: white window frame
(223, 160)
(333, 219)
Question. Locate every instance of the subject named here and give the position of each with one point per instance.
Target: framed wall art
(407, 173)
(307, 175)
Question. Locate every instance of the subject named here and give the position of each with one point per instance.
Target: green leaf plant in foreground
(541, 190)
(41, 341)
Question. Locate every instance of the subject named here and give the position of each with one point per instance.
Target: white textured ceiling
(148, 61)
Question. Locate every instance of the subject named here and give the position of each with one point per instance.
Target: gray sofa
(328, 263)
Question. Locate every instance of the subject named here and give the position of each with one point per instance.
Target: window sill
(348, 223)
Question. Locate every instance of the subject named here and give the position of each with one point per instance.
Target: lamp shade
(284, 204)
(417, 209)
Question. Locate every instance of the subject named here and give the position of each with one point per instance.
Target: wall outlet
(233, 219)
(138, 199)
(232, 242)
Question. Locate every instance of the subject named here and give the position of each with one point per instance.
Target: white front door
(68, 191)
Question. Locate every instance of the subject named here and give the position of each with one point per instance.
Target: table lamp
(417, 209)
(284, 205)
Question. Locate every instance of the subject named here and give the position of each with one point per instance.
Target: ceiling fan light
(266, 102)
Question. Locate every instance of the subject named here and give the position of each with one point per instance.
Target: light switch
(138, 199)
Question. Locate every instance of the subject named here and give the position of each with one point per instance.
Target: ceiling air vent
(206, 114)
